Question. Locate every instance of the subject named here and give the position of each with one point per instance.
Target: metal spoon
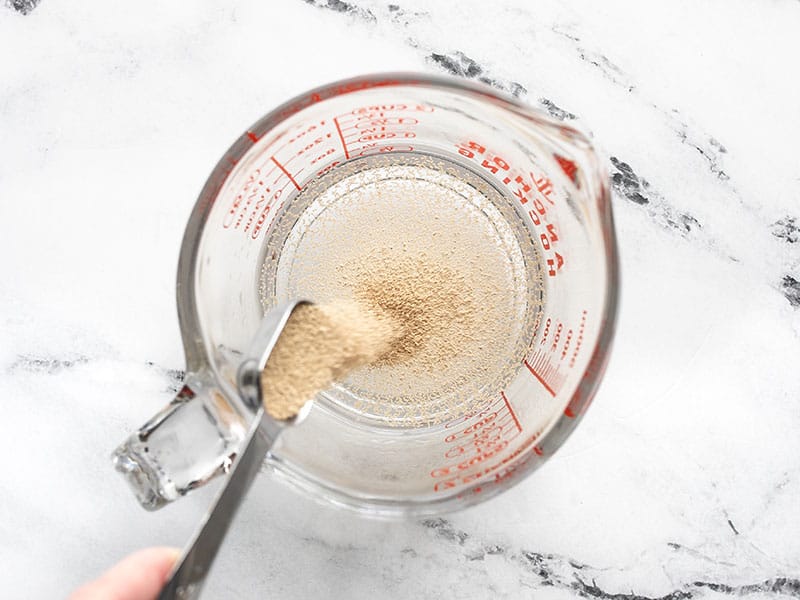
(189, 573)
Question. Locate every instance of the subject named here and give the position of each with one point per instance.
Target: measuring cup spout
(189, 442)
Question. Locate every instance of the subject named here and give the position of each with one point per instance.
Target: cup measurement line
(341, 137)
(285, 172)
(540, 378)
(511, 411)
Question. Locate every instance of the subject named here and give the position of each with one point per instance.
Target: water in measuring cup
(437, 247)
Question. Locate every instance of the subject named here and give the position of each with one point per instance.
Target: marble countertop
(683, 481)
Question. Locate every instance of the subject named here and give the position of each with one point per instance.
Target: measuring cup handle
(189, 442)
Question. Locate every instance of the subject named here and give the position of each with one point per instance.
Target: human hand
(139, 576)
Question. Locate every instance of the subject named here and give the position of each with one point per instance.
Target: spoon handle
(189, 573)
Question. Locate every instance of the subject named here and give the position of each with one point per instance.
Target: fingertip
(156, 561)
(139, 576)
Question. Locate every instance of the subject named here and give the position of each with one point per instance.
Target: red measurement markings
(341, 137)
(579, 343)
(546, 372)
(511, 411)
(544, 186)
(253, 192)
(370, 129)
(569, 167)
(476, 439)
(512, 463)
(328, 168)
(503, 468)
(348, 88)
(285, 172)
(531, 191)
(540, 378)
(290, 139)
(558, 350)
(315, 138)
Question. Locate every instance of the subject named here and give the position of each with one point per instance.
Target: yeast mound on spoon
(320, 344)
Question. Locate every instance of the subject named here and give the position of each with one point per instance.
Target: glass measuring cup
(542, 185)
